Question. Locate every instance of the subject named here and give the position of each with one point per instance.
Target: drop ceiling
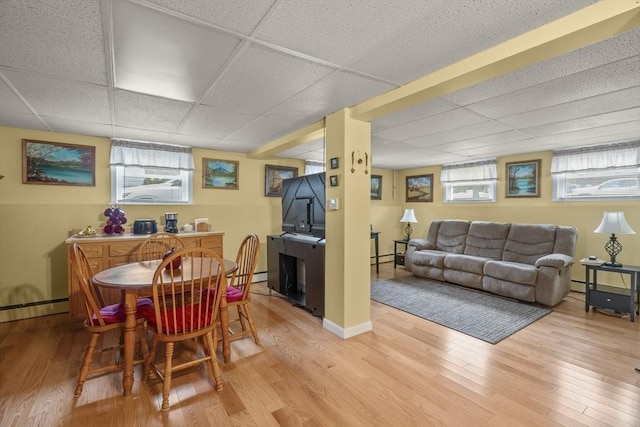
(235, 75)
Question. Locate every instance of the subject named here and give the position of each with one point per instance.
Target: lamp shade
(614, 223)
(409, 216)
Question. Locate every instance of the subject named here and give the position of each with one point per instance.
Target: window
(469, 182)
(609, 171)
(150, 173)
(312, 166)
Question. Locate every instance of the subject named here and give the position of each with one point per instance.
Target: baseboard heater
(32, 304)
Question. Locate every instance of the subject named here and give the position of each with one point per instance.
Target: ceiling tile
(20, 120)
(261, 78)
(332, 93)
(462, 133)
(264, 130)
(629, 115)
(51, 96)
(141, 134)
(417, 112)
(611, 50)
(162, 55)
(240, 16)
(432, 125)
(337, 30)
(60, 38)
(10, 101)
(609, 102)
(139, 111)
(214, 122)
(65, 125)
(596, 81)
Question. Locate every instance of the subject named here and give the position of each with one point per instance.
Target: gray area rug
(482, 315)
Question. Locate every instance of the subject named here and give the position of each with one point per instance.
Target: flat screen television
(303, 205)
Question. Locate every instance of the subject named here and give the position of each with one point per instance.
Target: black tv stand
(295, 269)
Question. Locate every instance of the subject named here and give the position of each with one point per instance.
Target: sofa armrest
(555, 260)
(420, 244)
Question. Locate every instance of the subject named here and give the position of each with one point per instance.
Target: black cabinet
(608, 297)
(295, 269)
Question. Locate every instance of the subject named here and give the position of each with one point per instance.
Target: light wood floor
(569, 368)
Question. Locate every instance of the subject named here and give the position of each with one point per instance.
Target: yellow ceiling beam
(592, 24)
(297, 138)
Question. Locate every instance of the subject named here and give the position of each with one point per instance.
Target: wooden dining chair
(156, 245)
(100, 318)
(239, 288)
(186, 299)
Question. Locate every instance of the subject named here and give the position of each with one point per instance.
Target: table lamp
(614, 223)
(408, 217)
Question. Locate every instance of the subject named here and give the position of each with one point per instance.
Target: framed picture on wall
(523, 179)
(376, 187)
(420, 188)
(273, 176)
(56, 163)
(221, 174)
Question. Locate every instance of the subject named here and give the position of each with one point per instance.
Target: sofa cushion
(429, 258)
(526, 243)
(471, 264)
(452, 235)
(486, 239)
(511, 271)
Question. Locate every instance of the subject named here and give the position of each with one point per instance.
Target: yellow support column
(347, 249)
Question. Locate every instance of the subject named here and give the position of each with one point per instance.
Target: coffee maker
(171, 222)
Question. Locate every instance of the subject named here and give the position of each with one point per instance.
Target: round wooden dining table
(136, 278)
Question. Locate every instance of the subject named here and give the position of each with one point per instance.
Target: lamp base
(613, 264)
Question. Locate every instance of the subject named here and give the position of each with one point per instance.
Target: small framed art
(273, 177)
(58, 163)
(335, 164)
(333, 180)
(420, 188)
(523, 179)
(221, 174)
(376, 187)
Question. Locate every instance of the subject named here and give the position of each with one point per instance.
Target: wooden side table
(398, 258)
(608, 297)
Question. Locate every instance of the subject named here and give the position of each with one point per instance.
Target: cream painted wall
(35, 220)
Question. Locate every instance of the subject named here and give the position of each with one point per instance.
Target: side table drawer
(400, 259)
(610, 300)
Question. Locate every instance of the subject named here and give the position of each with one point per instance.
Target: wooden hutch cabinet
(109, 251)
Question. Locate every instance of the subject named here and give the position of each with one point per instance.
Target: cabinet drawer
(212, 242)
(92, 250)
(612, 301)
(121, 249)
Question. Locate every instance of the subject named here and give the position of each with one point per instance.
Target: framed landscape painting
(376, 187)
(273, 176)
(523, 179)
(420, 188)
(58, 163)
(221, 174)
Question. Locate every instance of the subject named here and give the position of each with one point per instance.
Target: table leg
(130, 306)
(377, 258)
(224, 327)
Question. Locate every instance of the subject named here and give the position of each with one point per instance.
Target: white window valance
(485, 170)
(151, 154)
(624, 155)
(312, 166)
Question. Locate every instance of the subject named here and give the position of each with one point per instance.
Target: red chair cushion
(115, 313)
(167, 319)
(234, 294)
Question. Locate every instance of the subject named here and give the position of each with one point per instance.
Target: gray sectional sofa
(528, 262)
